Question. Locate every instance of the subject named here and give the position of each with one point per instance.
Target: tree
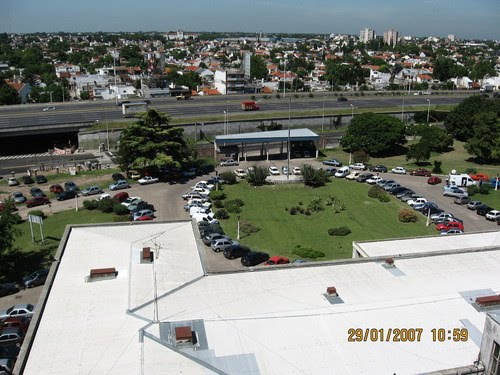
(485, 141)
(8, 95)
(314, 177)
(482, 69)
(419, 152)
(257, 175)
(258, 68)
(8, 230)
(443, 69)
(151, 141)
(436, 138)
(459, 122)
(374, 133)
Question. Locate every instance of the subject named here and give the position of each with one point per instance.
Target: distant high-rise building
(247, 64)
(451, 38)
(366, 35)
(391, 37)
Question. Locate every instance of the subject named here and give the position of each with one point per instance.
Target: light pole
(227, 116)
(50, 93)
(403, 111)
(323, 117)
(225, 122)
(284, 77)
(107, 130)
(114, 54)
(288, 146)
(428, 109)
(352, 111)
(238, 235)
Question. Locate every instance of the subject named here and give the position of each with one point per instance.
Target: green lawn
(280, 232)
(457, 159)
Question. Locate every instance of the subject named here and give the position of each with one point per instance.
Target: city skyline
(465, 19)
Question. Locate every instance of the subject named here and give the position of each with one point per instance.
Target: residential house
(23, 89)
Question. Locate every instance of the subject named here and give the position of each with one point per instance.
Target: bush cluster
(315, 205)
(307, 252)
(298, 210)
(120, 209)
(407, 216)
(221, 214)
(339, 231)
(378, 193)
(229, 177)
(217, 195)
(233, 206)
(248, 227)
(218, 204)
(336, 204)
(106, 205)
(90, 204)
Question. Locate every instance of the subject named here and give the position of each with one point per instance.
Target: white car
(209, 218)
(374, 180)
(202, 202)
(493, 215)
(398, 170)
(51, 108)
(274, 171)
(240, 173)
(127, 202)
(148, 180)
(358, 166)
(12, 181)
(342, 172)
(199, 210)
(352, 176)
(296, 170)
(228, 162)
(103, 196)
(413, 202)
(204, 185)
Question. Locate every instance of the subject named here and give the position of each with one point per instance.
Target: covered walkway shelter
(299, 143)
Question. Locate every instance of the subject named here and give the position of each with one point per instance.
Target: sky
(466, 19)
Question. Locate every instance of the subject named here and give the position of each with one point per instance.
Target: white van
(342, 172)
(460, 180)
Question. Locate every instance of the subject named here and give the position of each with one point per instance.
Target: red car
(450, 225)
(277, 260)
(421, 172)
(434, 180)
(480, 177)
(21, 322)
(56, 189)
(37, 201)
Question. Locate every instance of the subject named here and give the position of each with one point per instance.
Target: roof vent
(184, 335)
(102, 273)
(147, 256)
(332, 291)
(389, 262)
(488, 301)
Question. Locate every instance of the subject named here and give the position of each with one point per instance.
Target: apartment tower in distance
(366, 35)
(391, 37)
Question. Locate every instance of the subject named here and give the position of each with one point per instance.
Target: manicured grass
(457, 159)
(492, 199)
(280, 231)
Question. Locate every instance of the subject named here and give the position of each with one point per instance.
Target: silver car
(20, 310)
(18, 197)
(221, 244)
(92, 190)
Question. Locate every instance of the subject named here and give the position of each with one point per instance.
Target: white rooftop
(271, 322)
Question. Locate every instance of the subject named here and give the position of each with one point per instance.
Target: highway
(32, 115)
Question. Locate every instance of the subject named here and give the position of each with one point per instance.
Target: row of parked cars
(482, 209)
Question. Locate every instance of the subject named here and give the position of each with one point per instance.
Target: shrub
(90, 204)
(311, 95)
(314, 177)
(105, 205)
(257, 175)
(239, 202)
(484, 189)
(307, 252)
(437, 166)
(472, 190)
(293, 210)
(407, 216)
(248, 228)
(384, 198)
(315, 205)
(120, 209)
(376, 192)
(221, 214)
(229, 177)
(39, 213)
(232, 207)
(217, 195)
(339, 231)
(218, 204)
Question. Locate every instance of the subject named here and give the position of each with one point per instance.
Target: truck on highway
(249, 105)
(131, 109)
(486, 88)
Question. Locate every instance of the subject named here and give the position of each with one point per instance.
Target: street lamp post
(114, 71)
(225, 121)
(403, 111)
(107, 130)
(323, 117)
(428, 109)
(238, 235)
(50, 93)
(352, 111)
(289, 143)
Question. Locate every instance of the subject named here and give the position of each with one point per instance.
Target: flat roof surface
(276, 321)
(415, 245)
(268, 136)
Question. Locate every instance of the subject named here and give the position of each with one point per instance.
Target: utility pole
(289, 143)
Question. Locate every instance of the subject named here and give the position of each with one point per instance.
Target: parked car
(454, 191)
(197, 210)
(141, 205)
(240, 173)
(421, 172)
(480, 177)
(391, 185)
(254, 258)
(228, 162)
(18, 197)
(27, 180)
(37, 201)
(493, 215)
(120, 197)
(204, 185)
(8, 288)
(364, 177)
(382, 183)
(352, 176)
(378, 168)
(296, 171)
(235, 251)
(398, 170)
(421, 207)
(374, 180)
(274, 171)
(207, 240)
(56, 189)
(403, 193)
(36, 278)
(451, 231)
(117, 177)
(332, 162)
(342, 172)
(407, 197)
(483, 209)
(434, 180)
(472, 205)
(397, 189)
(358, 166)
(189, 173)
(21, 322)
(134, 175)
(18, 311)
(450, 225)
(216, 180)
(11, 336)
(221, 244)
(120, 184)
(194, 195)
(12, 181)
(461, 200)
(439, 218)
(103, 196)
(131, 200)
(331, 171)
(37, 192)
(92, 190)
(209, 218)
(495, 183)
(413, 202)
(65, 195)
(142, 215)
(70, 185)
(41, 179)
(284, 170)
(146, 180)
(275, 260)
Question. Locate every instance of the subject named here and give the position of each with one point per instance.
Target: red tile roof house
(23, 89)
(424, 78)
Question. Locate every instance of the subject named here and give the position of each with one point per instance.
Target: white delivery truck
(131, 109)
(460, 179)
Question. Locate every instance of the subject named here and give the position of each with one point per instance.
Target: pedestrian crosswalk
(28, 156)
